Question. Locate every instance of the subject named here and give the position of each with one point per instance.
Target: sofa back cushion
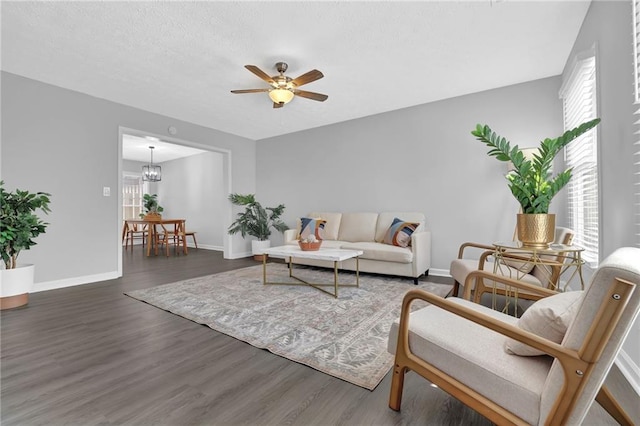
(332, 226)
(358, 227)
(385, 220)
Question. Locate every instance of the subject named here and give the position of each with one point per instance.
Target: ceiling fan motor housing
(281, 67)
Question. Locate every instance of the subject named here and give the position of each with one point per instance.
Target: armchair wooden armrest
(473, 245)
(479, 276)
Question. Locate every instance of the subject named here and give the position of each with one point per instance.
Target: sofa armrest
(290, 235)
(421, 247)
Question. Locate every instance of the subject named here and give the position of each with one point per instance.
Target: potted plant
(531, 181)
(19, 225)
(256, 221)
(152, 209)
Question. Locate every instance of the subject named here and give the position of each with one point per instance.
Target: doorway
(195, 184)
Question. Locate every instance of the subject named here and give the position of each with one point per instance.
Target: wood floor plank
(89, 355)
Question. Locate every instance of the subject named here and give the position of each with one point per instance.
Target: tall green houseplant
(150, 204)
(531, 181)
(19, 225)
(256, 221)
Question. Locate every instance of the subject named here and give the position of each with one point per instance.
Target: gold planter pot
(536, 230)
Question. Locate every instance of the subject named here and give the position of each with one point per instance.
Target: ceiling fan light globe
(281, 95)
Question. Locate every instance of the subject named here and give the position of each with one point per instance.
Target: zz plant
(256, 220)
(19, 224)
(531, 182)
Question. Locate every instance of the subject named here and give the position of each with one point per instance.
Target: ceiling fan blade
(278, 104)
(263, 75)
(311, 95)
(312, 75)
(250, 90)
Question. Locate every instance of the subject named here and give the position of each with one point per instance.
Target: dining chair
(477, 355)
(135, 231)
(172, 233)
(191, 234)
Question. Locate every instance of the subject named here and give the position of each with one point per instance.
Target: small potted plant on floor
(256, 221)
(531, 181)
(19, 225)
(152, 209)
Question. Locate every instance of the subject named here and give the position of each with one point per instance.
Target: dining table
(152, 227)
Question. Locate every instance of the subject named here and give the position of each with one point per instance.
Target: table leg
(150, 238)
(335, 278)
(264, 270)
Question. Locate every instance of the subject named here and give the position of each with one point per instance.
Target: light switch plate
(106, 191)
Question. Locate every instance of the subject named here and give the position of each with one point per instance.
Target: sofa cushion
(311, 226)
(358, 227)
(399, 233)
(332, 226)
(385, 220)
(379, 251)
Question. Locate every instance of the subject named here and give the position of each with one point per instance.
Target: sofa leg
(415, 281)
(426, 273)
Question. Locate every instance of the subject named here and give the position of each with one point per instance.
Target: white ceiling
(181, 59)
(137, 148)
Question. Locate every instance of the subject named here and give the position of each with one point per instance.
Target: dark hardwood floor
(89, 355)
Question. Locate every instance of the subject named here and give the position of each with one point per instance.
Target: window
(636, 143)
(579, 105)
(132, 191)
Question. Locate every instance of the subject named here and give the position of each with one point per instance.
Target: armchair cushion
(522, 266)
(460, 268)
(549, 318)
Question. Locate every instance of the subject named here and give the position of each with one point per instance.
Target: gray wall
(608, 26)
(193, 188)
(416, 159)
(67, 143)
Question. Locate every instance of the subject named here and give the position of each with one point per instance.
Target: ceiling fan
(284, 88)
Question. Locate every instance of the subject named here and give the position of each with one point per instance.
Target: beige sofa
(366, 231)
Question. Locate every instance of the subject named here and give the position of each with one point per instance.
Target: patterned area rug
(344, 337)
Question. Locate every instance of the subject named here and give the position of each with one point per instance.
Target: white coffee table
(334, 255)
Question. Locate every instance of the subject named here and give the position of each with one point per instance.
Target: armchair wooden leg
(611, 406)
(397, 383)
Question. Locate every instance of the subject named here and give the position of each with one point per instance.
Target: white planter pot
(15, 286)
(257, 246)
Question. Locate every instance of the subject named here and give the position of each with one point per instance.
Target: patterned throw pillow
(311, 226)
(399, 233)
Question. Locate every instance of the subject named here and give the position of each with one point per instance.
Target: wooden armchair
(520, 268)
(458, 345)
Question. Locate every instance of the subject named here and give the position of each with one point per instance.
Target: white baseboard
(239, 255)
(70, 282)
(439, 272)
(629, 370)
(205, 247)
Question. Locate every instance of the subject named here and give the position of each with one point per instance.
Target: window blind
(579, 105)
(636, 143)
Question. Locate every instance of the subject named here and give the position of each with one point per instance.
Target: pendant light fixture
(152, 172)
